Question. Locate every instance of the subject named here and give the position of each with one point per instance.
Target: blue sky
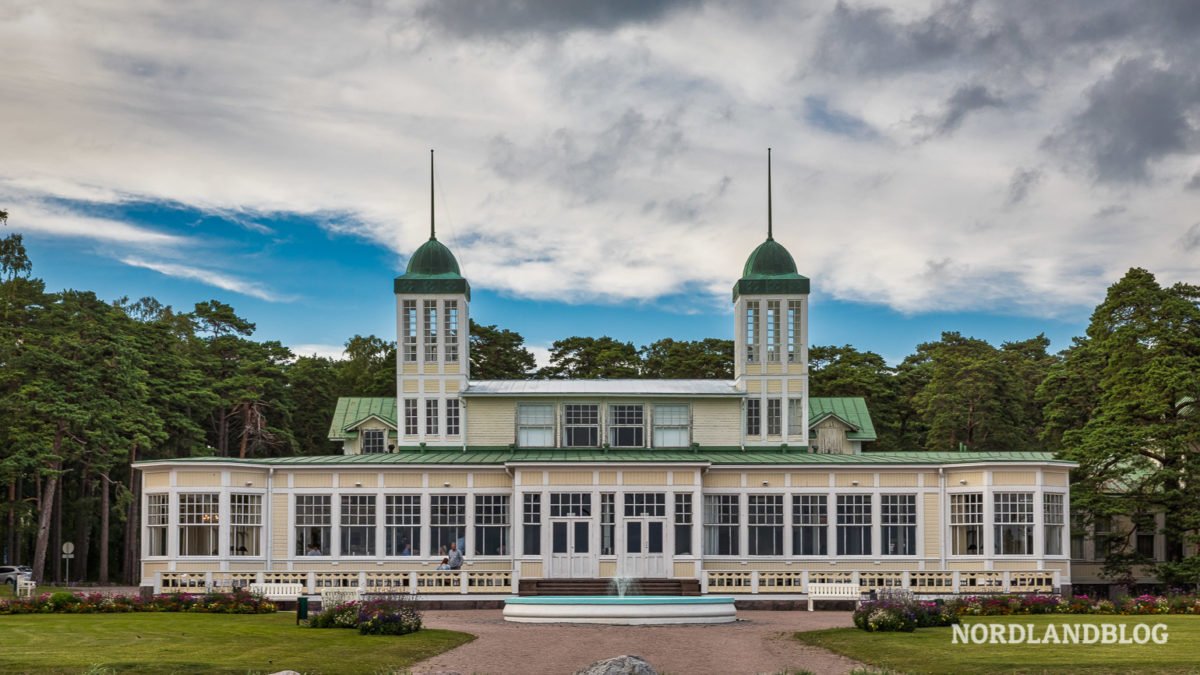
(321, 287)
(989, 167)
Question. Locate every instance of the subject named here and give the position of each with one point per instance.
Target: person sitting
(407, 549)
(445, 564)
(313, 549)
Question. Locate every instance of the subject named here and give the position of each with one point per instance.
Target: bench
(831, 591)
(278, 591)
(26, 587)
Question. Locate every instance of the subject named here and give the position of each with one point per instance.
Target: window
(773, 336)
(671, 426)
(198, 524)
(581, 425)
(372, 441)
(810, 525)
(721, 524)
(1052, 523)
(411, 424)
(1145, 544)
(645, 504)
(774, 417)
(753, 417)
(854, 525)
(158, 513)
(402, 518)
(245, 523)
(491, 525)
(796, 417)
(1077, 535)
(452, 417)
(1013, 516)
(1105, 539)
(532, 523)
(793, 331)
(408, 330)
(314, 519)
(431, 417)
(626, 426)
(966, 524)
(683, 523)
(608, 523)
(898, 524)
(447, 522)
(766, 524)
(752, 332)
(451, 336)
(431, 330)
(535, 425)
(358, 525)
(570, 505)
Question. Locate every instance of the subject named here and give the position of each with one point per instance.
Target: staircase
(604, 587)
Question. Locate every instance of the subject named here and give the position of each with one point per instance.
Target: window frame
(751, 328)
(402, 521)
(302, 509)
(774, 417)
(531, 524)
(541, 426)
(629, 417)
(493, 520)
(409, 330)
(753, 417)
(364, 441)
(568, 427)
(767, 520)
(898, 524)
(453, 417)
(192, 513)
(810, 512)
(773, 331)
(966, 516)
(450, 330)
(851, 525)
(1018, 514)
(447, 515)
(429, 331)
(158, 524)
(412, 417)
(1053, 522)
(432, 414)
(357, 517)
(722, 524)
(246, 518)
(671, 425)
(683, 520)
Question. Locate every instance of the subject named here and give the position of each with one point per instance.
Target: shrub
(384, 616)
(1002, 605)
(886, 615)
(238, 602)
(344, 615)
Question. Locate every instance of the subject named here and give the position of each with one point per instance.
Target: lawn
(930, 650)
(204, 643)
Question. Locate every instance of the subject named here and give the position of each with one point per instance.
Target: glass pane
(655, 545)
(581, 536)
(559, 530)
(633, 537)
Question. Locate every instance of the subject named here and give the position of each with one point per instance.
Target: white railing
(928, 583)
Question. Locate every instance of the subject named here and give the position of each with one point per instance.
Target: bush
(344, 615)
(238, 602)
(1004, 605)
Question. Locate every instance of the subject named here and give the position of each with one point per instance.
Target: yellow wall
(312, 479)
(198, 479)
(241, 478)
(973, 478)
(1055, 478)
(1014, 478)
(532, 570)
(455, 479)
(847, 479)
(279, 525)
(644, 478)
(811, 479)
(491, 421)
(158, 479)
(492, 480)
(406, 480)
(773, 479)
(933, 531)
(717, 422)
(722, 480)
(368, 480)
(570, 477)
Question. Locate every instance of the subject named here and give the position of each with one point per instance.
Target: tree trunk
(223, 434)
(46, 509)
(83, 525)
(131, 551)
(245, 430)
(56, 533)
(105, 488)
(11, 543)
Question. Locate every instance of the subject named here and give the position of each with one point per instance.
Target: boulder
(619, 665)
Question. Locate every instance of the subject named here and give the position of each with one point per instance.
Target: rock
(619, 665)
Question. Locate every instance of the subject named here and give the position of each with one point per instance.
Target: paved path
(757, 643)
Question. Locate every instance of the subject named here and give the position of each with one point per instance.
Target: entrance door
(570, 549)
(645, 543)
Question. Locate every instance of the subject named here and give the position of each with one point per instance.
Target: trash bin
(301, 609)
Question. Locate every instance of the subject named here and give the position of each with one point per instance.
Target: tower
(771, 343)
(432, 343)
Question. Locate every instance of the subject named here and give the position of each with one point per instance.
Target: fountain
(621, 607)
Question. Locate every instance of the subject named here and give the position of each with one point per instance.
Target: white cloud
(335, 352)
(209, 277)
(541, 355)
(30, 215)
(621, 163)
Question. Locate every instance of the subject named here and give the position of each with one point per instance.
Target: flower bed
(393, 616)
(1004, 605)
(238, 602)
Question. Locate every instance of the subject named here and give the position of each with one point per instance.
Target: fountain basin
(634, 610)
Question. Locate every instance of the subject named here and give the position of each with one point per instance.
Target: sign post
(68, 552)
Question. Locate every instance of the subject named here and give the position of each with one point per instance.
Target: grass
(930, 650)
(204, 643)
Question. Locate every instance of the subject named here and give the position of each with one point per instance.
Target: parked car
(10, 573)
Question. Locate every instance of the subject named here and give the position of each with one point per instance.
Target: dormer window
(373, 441)
(581, 425)
(626, 428)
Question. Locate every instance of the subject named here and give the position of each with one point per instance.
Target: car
(10, 573)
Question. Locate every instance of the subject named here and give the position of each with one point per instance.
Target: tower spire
(770, 233)
(432, 229)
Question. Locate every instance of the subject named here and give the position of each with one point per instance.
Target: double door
(643, 553)
(571, 549)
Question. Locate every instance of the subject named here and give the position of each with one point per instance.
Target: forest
(88, 386)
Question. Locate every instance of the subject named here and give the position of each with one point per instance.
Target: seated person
(445, 564)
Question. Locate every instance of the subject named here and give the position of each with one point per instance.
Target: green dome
(770, 259)
(433, 258)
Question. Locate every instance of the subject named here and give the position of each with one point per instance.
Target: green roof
(715, 456)
(432, 269)
(770, 269)
(852, 409)
(351, 410)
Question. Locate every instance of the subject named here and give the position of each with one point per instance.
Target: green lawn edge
(151, 642)
(930, 650)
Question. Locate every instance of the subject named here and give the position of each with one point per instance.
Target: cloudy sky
(987, 167)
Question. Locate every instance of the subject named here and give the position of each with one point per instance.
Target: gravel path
(758, 642)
